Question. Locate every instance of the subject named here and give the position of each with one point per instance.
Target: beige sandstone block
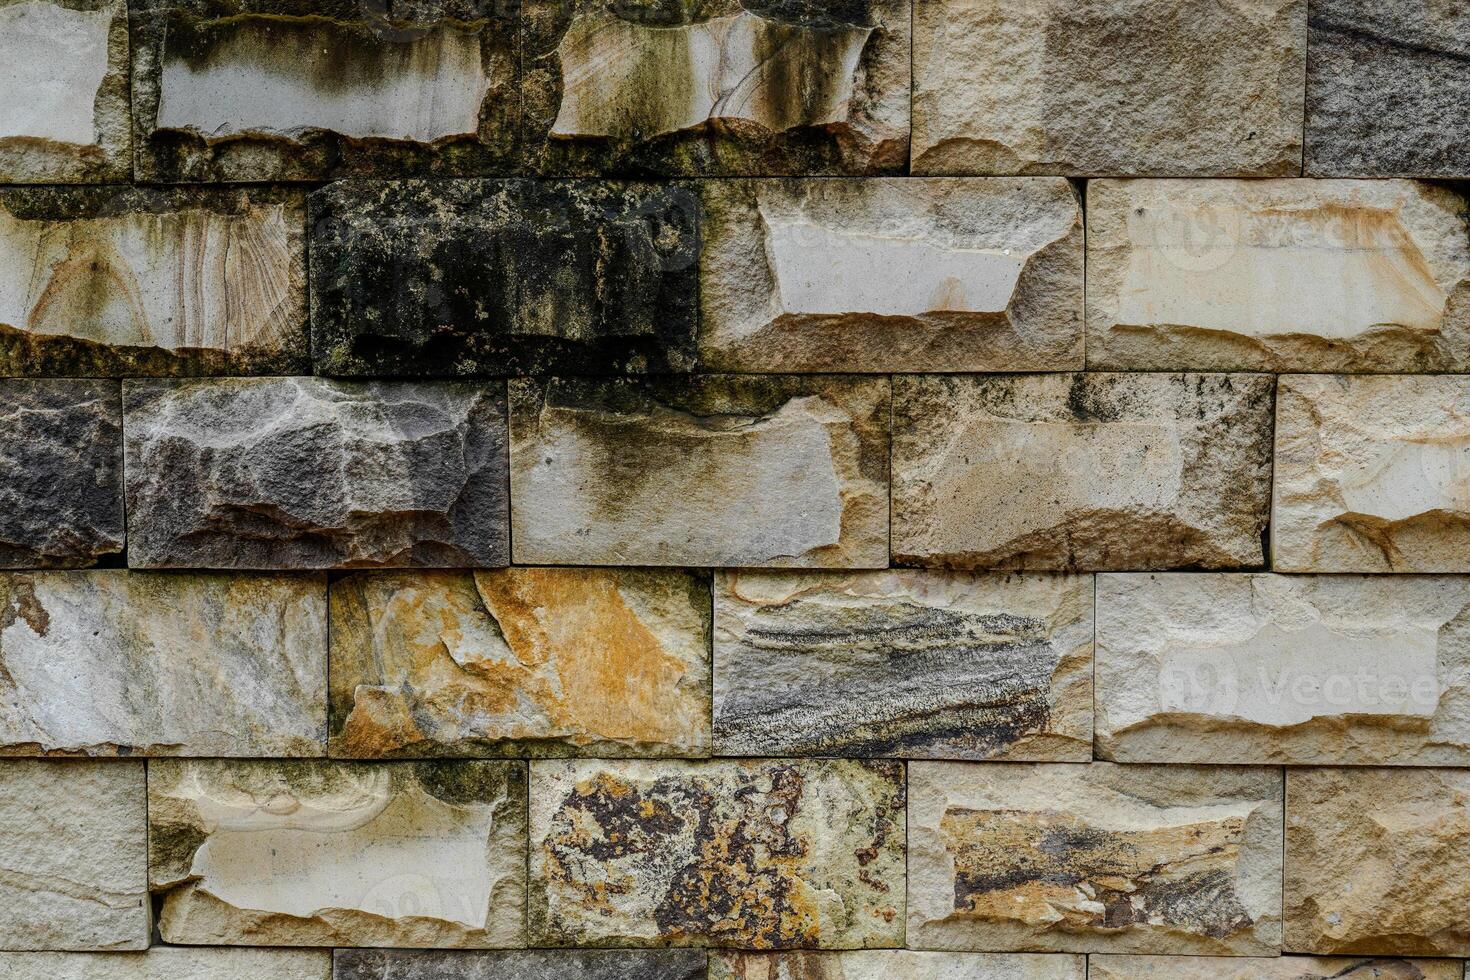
(171, 963)
(1124, 967)
(895, 964)
(1159, 859)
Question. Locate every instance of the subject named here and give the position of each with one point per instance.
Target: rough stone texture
(720, 87)
(1109, 87)
(314, 853)
(171, 963)
(1298, 670)
(138, 663)
(64, 92)
(887, 275)
(535, 964)
(760, 855)
(61, 462)
(712, 470)
(504, 277)
(73, 840)
(1156, 859)
(128, 281)
(1277, 275)
(1108, 966)
(895, 964)
(1370, 475)
(912, 664)
(1387, 89)
(260, 90)
(1081, 471)
(538, 661)
(1375, 861)
(309, 473)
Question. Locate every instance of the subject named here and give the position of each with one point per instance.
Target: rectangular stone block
(1357, 670)
(1095, 858)
(1375, 861)
(264, 90)
(315, 853)
(310, 473)
(520, 661)
(64, 92)
(1108, 966)
(909, 664)
(527, 964)
(61, 473)
(708, 470)
(137, 663)
(1081, 471)
(504, 277)
(885, 275)
(130, 281)
(73, 843)
(759, 854)
(722, 87)
(1370, 474)
(1109, 87)
(1387, 89)
(895, 964)
(1277, 275)
(171, 963)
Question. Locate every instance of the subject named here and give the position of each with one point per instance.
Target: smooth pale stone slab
(73, 843)
(528, 964)
(757, 855)
(899, 274)
(64, 91)
(311, 473)
(520, 661)
(259, 90)
(136, 663)
(1111, 966)
(1157, 859)
(61, 462)
(1293, 275)
(1387, 89)
(315, 853)
(1370, 474)
(705, 470)
(1109, 87)
(1298, 670)
(171, 963)
(1375, 861)
(723, 87)
(118, 281)
(909, 664)
(1081, 471)
(895, 964)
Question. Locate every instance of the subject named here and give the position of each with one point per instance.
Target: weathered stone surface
(1111, 966)
(538, 661)
(118, 281)
(1109, 87)
(64, 92)
(310, 473)
(73, 842)
(710, 470)
(761, 854)
(138, 663)
(504, 277)
(171, 963)
(1370, 475)
(530, 964)
(1375, 861)
(895, 964)
(886, 275)
(1156, 859)
(1277, 275)
(912, 664)
(314, 853)
(719, 87)
(1299, 670)
(1081, 471)
(61, 456)
(1387, 89)
(258, 90)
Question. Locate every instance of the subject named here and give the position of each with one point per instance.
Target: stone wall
(734, 489)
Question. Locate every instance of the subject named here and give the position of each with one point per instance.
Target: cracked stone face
(518, 964)
(890, 275)
(1108, 966)
(1155, 859)
(762, 854)
(314, 853)
(171, 963)
(894, 964)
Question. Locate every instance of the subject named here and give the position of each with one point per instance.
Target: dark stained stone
(310, 473)
(503, 277)
(60, 473)
(518, 964)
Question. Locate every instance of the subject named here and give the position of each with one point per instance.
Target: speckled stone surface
(533, 964)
